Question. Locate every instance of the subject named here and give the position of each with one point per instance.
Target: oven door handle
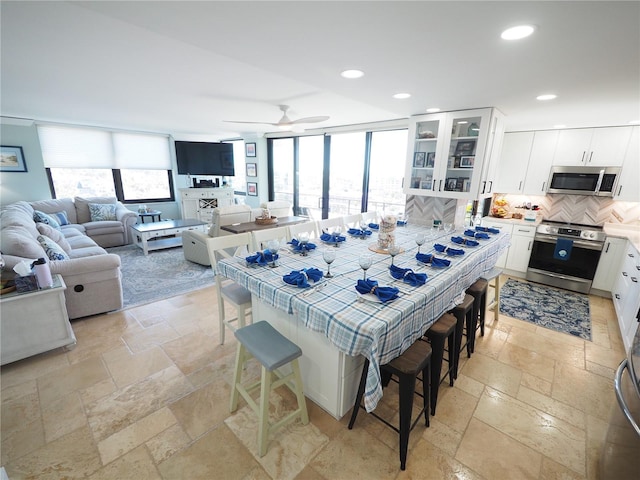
(577, 243)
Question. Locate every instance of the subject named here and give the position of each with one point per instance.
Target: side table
(34, 322)
(152, 214)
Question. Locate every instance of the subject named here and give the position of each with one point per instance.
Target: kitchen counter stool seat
(406, 368)
(443, 329)
(494, 275)
(264, 343)
(464, 324)
(478, 290)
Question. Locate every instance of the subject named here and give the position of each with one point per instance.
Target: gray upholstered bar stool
(478, 290)
(464, 324)
(261, 341)
(443, 329)
(406, 368)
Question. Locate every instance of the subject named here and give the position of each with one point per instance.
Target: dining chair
(352, 221)
(330, 223)
(307, 227)
(227, 290)
(278, 208)
(260, 238)
(370, 217)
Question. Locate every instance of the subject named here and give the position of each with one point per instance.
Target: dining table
(337, 327)
(252, 226)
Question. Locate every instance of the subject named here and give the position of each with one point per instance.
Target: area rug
(548, 307)
(159, 275)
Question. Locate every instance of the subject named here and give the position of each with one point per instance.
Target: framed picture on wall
(250, 149)
(252, 189)
(12, 159)
(252, 170)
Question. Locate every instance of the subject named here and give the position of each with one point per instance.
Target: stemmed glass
(303, 239)
(337, 230)
(363, 227)
(365, 262)
(420, 239)
(449, 228)
(273, 246)
(393, 251)
(329, 256)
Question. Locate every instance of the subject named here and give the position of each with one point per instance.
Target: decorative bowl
(266, 221)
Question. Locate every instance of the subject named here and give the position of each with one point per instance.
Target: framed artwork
(252, 189)
(467, 162)
(12, 159)
(426, 184)
(451, 184)
(250, 149)
(252, 170)
(415, 182)
(419, 159)
(431, 159)
(465, 147)
(466, 185)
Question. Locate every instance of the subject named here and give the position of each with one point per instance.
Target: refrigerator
(620, 457)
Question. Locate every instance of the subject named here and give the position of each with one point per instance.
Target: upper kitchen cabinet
(453, 154)
(592, 147)
(628, 189)
(544, 144)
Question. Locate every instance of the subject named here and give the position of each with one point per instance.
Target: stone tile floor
(145, 395)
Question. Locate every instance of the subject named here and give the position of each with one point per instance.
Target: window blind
(77, 147)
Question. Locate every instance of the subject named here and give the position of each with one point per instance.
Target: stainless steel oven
(565, 255)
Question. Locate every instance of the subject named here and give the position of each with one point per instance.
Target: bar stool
(494, 274)
(262, 342)
(464, 316)
(406, 368)
(478, 290)
(443, 328)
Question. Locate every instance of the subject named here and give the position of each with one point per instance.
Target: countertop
(630, 232)
(513, 221)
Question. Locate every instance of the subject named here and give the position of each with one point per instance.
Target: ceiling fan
(285, 122)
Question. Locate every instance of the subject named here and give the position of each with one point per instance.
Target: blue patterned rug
(159, 275)
(559, 310)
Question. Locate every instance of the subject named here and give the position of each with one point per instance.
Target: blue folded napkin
(433, 260)
(487, 229)
(358, 232)
(464, 241)
(328, 237)
(408, 276)
(298, 247)
(301, 277)
(262, 258)
(471, 233)
(374, 226)
(385, 294)
(439, 247)
(401, 223)
(482, 236)
(454, 251)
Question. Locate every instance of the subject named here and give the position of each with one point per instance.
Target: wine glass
(273, 246)
(393, 251)
(363, 227)
(448, 227)
(303, 240)
(420, 239)
(365, 262)
(335, 232)
(329, 256)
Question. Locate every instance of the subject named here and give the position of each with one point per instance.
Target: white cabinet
(544, 145)
(597, 147)
(520, 249)
(609, 264)
(626, 294)
(503, 227)
(628, 188)
(516, 149)
(451, 154)
(199, 203)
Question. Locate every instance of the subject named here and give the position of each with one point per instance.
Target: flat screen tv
(205, 158)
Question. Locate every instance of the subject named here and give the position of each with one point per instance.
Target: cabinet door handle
(520, 185)
(484, 185)
(619, 190)
(490, 186)
(590, 157)
(529, 247)
(608, 245)
(631, 255)
(625, 274)
(543, 185)
(583, 154)
(634, 279)
(433, 187)
(617, 296)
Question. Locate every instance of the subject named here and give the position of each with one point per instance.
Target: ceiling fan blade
(317, 119)
(257, 123)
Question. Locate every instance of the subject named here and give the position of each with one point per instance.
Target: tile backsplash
(588, 210)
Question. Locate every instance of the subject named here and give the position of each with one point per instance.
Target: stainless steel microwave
(599, 181)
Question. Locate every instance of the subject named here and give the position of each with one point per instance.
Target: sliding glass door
(386, 171)
(346, 173)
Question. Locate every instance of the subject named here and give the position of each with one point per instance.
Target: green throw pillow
(41, 217)
(52, 249)
(101, 212)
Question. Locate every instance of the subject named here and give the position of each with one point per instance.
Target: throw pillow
(61, 217)
(41, 217)
(52, 249)
(55, 235)
(102, 211)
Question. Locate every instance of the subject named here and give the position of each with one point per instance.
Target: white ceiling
(185, 67)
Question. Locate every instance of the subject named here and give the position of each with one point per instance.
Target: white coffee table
(165, 234)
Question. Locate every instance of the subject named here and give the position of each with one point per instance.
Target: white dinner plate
(368, 297)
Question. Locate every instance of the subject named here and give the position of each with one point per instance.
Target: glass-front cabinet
(450, 154)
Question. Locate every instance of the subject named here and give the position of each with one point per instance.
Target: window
(386, 171)
(239, 165)
(82, 161)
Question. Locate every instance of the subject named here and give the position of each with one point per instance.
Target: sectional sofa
(74, 250)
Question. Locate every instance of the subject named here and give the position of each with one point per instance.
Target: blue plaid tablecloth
(380, 332)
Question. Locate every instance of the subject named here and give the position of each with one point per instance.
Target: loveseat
(91, 274)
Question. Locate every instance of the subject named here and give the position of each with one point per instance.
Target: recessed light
(559, 126)
(433, 110)
(401, 96)
(352, 73)
(546, 96)
(517, 32)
